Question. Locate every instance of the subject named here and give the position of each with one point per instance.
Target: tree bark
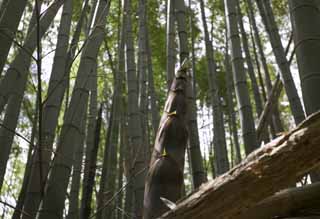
(263, 171)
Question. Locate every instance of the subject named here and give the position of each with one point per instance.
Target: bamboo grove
(121, 108)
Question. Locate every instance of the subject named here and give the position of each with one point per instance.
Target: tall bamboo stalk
(239, 78)
(286, 76)
(53, 203)
(9, 20)
(219, 139)
(134, 120)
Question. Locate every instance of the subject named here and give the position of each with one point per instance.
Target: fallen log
(314, 217)
(295, 202)
(264, 172)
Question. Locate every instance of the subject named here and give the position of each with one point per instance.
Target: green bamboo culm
(165, 176)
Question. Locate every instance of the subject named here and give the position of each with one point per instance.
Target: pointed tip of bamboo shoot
(183, 69)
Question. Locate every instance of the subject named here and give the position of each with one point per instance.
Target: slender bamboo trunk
(3, 6)
(270, 104)
(219, 139)
(50, 115)
(91, 133)
(113, 142)
(245, 44)
(275, 40)
(142, 69)
(257, 63)
(128, 204)
(276, 125)
(119, 202)
(12, 114)
(31, 154)
(196, 162)
(74, 210)
(170, 42)
(251, 72)
(53, 203)
(152, 93)
(134, 122)
(93, 107)
(108, 178)
(26, 177)
(180, 15)
(231, 111)
(18, 69)
(239, 77)
(8, 126)
(90, 20)
(72, 50)
(193, 140)
(9, 21)
(272, 100)
(15, 81)
(85, 209)
(103, 193)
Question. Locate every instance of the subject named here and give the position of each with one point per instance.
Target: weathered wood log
(295, 202)
(264, 172)
(165, 175)
(313, 217)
